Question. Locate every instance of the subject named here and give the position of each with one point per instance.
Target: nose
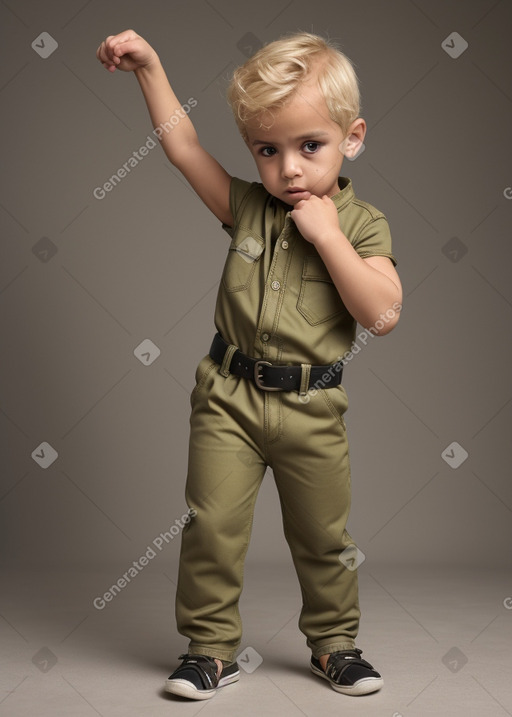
(291, 166)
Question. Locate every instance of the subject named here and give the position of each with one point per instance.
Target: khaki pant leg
(224, 475)
(309, 457)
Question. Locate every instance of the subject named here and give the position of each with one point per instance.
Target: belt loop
(304, 378)
(226, 361)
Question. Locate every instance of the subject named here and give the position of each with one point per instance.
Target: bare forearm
(176, 135)
(366, 292)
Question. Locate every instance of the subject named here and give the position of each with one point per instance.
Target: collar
(345, 195)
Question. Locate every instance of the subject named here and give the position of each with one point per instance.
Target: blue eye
(268, 151)
(311, 147)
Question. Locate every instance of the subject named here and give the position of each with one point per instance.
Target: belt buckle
(258, 377)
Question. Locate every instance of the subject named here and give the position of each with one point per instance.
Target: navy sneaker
(348, 673)
(197, 679)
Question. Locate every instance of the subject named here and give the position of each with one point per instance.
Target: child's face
(300, 152)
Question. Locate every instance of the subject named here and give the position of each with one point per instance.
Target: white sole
(184, 688)
(361, 687)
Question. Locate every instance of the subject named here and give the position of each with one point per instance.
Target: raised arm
(129, 52)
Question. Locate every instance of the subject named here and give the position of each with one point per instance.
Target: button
(275, 285)
(265, 337)
(284, 244)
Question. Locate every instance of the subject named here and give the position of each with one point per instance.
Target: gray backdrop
(85, 281)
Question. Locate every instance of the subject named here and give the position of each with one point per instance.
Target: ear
(353, 141)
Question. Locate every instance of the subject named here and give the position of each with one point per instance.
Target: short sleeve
(239, 191)
(374, 239)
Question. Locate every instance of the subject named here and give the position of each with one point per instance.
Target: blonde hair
(274, 73)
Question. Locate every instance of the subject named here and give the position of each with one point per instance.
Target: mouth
(297, 193)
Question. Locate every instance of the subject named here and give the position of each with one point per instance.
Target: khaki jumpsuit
(277, 302)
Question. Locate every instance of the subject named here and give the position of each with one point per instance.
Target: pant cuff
(331, 647)
(219, 653)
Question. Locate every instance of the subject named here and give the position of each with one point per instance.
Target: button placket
(274, 292)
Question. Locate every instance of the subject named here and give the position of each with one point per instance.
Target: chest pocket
(318, 300)
(244, 254)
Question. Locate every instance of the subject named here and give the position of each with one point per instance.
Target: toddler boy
(307, 260)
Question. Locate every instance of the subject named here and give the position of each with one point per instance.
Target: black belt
(274, 378)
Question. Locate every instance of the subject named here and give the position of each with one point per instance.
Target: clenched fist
(126, 51)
